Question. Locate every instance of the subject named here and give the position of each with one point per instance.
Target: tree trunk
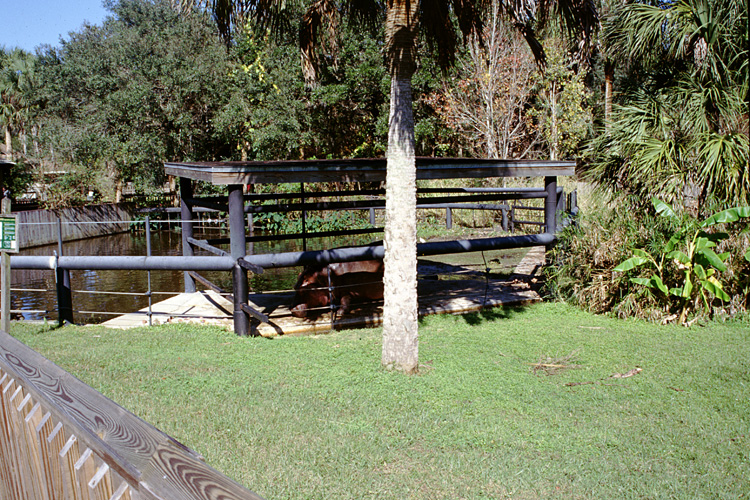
(554, 146)
(609, 79)
(400, 320)
(8, 144)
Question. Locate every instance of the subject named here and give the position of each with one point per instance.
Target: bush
(584, 261)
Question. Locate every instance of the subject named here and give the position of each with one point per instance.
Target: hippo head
(311, 292)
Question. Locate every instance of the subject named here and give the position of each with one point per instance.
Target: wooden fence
(40, 226)
(61, 439)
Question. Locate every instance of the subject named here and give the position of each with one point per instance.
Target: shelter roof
(361, 170)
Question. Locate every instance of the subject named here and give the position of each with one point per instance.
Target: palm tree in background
(680, 131)
(16, 82)
(404, 19)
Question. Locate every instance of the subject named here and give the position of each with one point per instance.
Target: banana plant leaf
(632, 263)
(730, 215)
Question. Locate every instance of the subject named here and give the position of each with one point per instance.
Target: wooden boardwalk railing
(61, 439)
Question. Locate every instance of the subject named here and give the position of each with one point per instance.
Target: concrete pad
(205, 307)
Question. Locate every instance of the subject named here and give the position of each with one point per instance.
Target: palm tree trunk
(400, 320)
(8, 144)
(400, 338)
(609, 79)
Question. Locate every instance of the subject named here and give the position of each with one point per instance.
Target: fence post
(550, 206)
(304, 216)
(5, 209)
(238, 249)
(251, 232)
(64, 293)
(186, 216)
(148, 254)
(448, 218)
(562, 202)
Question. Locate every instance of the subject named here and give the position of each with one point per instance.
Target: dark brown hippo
(350, 282)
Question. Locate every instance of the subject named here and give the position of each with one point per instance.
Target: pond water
(101, 295)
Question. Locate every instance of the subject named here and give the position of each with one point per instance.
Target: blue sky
(30, 23)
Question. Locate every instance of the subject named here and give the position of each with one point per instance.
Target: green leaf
(747, 256)
(679, 257)
(641, 281)
(658, 283)
(702, 243)
(662, 208)
(708, 257)
(713, 286)
(631, 263)
(673, 242)
(687, 288)
(700, 271)
(676, 291)
(730, 215)
(642, 253)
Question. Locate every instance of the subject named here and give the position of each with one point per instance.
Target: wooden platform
(471, 291)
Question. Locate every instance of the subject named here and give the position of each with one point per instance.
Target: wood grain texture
(61, 439)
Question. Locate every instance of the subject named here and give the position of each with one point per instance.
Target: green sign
(8, 234)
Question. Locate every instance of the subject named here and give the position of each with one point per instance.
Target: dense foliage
(678, 131)
(663, 267)
(679, 128)
(156, 83)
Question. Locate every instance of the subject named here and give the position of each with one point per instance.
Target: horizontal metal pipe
(125, 262)
(367, 204)
(296, 236)
(287, 259)
(482, 190)
(466, 206)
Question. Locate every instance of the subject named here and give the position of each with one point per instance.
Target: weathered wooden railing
(61, 439)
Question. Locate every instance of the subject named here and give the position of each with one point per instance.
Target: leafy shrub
(587, 255)
(691, 250)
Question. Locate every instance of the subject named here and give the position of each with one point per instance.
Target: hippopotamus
(351, 282)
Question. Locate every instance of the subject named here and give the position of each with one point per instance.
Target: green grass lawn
(316, 417)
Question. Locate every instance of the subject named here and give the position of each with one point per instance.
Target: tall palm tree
(403, 21)
(680, 131)
(16, 83)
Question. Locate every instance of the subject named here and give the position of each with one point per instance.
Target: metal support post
(448, 218)
(550, 206)
(148, 254)
(64, 292)
(250, 232)
(304, 216)
(186, 215)
(5, 264)
(237, 245)
(561, 203)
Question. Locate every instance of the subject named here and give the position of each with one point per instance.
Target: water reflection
(37, 288)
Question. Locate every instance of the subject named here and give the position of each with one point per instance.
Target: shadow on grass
(488, 315)
(492, 314)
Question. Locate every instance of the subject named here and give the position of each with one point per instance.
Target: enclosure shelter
(237, 175)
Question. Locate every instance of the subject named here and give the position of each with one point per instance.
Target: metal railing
(62, 264)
